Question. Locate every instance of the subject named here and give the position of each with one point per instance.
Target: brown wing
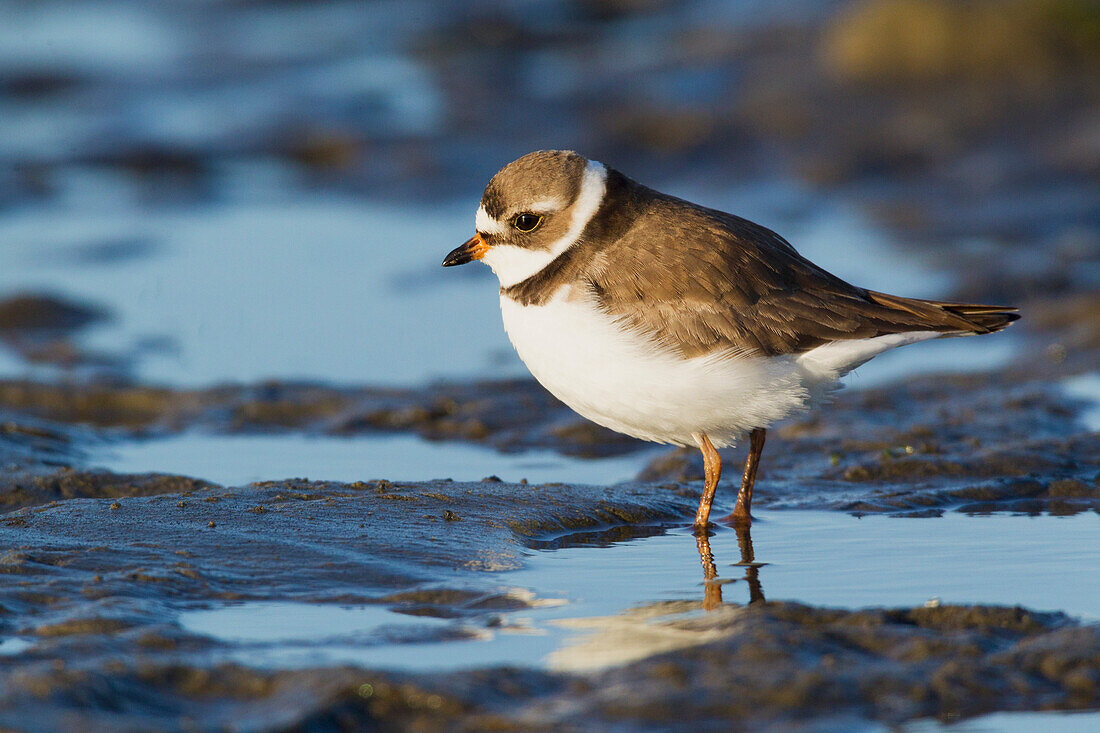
(702, 281)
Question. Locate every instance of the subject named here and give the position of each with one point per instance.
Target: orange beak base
(473, 249)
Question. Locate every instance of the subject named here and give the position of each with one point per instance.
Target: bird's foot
(740, 518)
(701, 530)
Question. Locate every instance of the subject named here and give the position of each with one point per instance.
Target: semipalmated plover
(675, 323)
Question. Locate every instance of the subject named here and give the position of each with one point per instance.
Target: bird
(676, 323)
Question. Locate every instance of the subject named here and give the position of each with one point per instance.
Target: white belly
(621, 381)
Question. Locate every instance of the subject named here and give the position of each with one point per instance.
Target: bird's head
(533, 209)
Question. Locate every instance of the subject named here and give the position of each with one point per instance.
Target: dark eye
(526, 222)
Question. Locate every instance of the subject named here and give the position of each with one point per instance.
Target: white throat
(515, 264)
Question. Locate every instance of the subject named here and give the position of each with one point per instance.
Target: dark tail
(963, 318)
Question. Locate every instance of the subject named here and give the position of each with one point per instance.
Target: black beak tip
(460, 255)
(454, 258)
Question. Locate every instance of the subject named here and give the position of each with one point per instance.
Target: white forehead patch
(487, 224)
(515, 264)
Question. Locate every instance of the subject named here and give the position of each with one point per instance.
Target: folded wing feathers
(944, 316)
(729, 285)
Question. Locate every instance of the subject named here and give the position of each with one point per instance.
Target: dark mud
(508, 415)
(41, 329)
(95, 576)
(1005, 441)
(836, 668)
(90, 580)
(94, 583)
(99, 565)
(889, 666)
(976, 443)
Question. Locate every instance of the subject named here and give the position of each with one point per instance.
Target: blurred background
(197, 192)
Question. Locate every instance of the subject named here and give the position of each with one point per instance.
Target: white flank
(620, 380)
(834, 360)
(516, 264)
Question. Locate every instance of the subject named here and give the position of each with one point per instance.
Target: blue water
(234, 460)
(234, 263)
(593, 607)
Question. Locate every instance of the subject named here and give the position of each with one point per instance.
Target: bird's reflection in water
(712, 584)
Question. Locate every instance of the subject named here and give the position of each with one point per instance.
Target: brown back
(701, 281)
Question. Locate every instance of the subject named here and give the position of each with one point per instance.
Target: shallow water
(11, 647)
(588, 594)
(166, 135)
(348, 291)
(1013, 723)
(287, 623)
(270, 274)
(233, 460)
(1086, 388)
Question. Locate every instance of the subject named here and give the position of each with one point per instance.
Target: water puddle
(287, 623)
(1013, 723)
(348, 291)
(13, 646)
(593, 592)
(234, 460)
(1086, 387)
(302, 289)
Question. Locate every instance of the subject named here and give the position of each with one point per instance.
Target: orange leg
(742, 512)
(712, 471)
